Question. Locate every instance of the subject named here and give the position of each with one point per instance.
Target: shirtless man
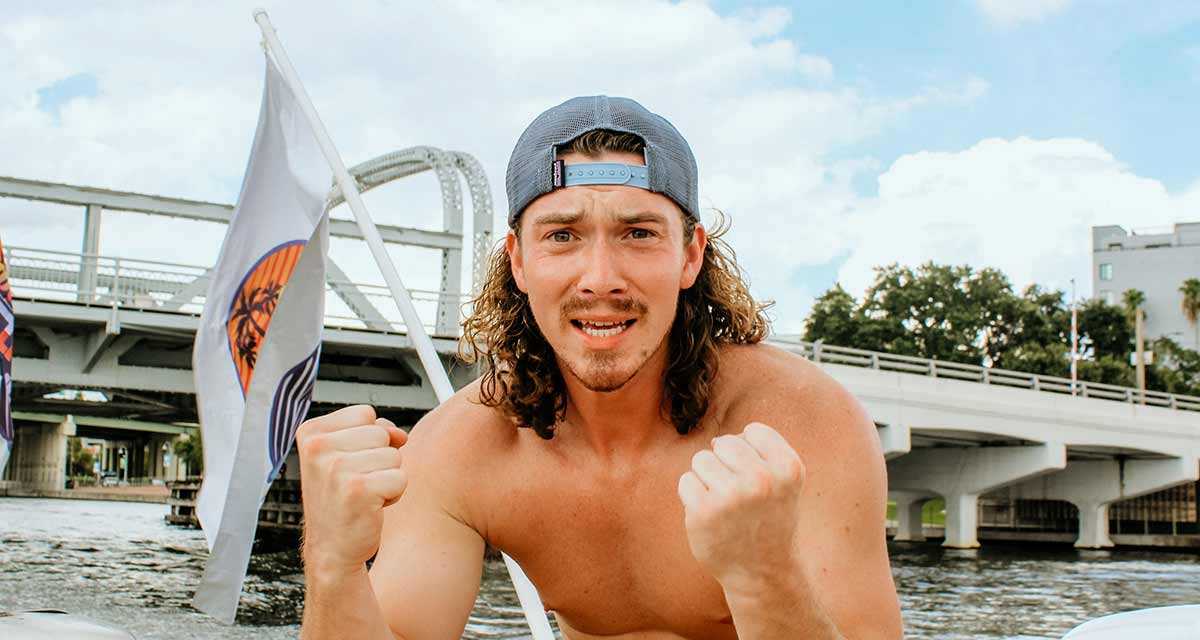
(656, 471)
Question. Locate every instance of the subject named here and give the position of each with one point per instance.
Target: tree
(190, 450)
(936, 311)
(81, 459)
(1191, 305)
(1133, 300)
(834, 319)
(1106, 328)
(1036, 336)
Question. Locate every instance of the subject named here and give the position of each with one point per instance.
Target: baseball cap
(534, 169)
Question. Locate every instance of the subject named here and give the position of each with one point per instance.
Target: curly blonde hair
(521, 375)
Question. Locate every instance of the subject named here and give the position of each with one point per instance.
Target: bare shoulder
(454, 446)
(462, 427)
(763, 383)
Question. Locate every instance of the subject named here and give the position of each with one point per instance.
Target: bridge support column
(1093, 525)
(908, 515)
(1092, 485)
(895, 439)
(39, 456)
(961, 475)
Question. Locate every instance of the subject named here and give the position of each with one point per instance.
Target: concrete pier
(960, 475)
(1093, 485)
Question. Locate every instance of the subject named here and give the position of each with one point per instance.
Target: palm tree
(1133, 300)
(1191, 306)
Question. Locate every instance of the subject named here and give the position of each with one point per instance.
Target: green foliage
(1106, 328)
(80, 459)
(1191, 303)
(1133, 299)
(958, 314)
(833, 318)
(190, 450)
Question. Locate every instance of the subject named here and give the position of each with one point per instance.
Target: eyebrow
(573, 217)
(563, 217)
(641, 217)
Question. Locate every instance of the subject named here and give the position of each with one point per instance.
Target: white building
(1155, 263)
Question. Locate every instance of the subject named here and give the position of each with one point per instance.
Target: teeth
(602, 329)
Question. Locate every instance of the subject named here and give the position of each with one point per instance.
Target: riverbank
(156, 494)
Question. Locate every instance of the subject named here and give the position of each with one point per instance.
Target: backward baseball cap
(669, 160)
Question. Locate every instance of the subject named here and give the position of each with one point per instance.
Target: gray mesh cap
(669, 160)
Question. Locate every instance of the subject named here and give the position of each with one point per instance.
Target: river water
(120, 563)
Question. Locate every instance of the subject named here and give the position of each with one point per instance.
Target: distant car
(110, 479)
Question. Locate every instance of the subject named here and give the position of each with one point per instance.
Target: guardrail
(124, 283)
(823, 353)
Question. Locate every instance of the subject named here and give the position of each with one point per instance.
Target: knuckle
(361, 413)
(355, 487)
(312, 445)
(793, 470)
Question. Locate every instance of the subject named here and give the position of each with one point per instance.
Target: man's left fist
(741, 502)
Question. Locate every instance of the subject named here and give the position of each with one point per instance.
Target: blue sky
(1125, 74)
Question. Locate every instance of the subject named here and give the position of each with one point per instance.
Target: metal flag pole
(531, 603)
(1074, 339)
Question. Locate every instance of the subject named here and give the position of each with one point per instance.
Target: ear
(693, 257)
(512, 246)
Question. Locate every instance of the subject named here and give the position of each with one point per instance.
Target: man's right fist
(351, 467)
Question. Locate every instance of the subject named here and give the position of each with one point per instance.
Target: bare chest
(608, 552)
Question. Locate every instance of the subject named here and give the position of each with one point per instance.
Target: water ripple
(120, 563)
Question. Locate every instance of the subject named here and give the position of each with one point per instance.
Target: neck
(621, 423)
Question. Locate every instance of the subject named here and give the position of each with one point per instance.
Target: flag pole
(527, 594)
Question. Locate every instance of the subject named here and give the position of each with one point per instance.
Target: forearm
(782, 606)
(338, 605)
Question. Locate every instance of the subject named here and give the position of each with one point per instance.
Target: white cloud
(1024, 206)
(1012, 12)
(179, 85)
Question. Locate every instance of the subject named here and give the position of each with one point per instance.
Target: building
(1155, 263)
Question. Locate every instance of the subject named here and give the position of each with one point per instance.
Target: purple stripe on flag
(292, 398)
(6, 350)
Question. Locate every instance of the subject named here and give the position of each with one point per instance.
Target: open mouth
(598, 329)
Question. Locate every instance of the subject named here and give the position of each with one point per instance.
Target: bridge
(103, 343)
(103, 350)
(963, 432)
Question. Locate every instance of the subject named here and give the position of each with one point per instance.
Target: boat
(1181, 622)
(52, 624)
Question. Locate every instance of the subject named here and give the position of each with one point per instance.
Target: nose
(602, 274)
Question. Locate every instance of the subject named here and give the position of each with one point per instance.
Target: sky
(834, 136)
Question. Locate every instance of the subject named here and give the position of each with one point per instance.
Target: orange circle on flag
(254, 304)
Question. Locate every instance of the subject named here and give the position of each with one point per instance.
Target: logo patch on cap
(556, 174)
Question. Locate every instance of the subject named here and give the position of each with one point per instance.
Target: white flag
(255, 357)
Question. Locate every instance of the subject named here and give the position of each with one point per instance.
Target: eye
(641, 234)
(561, 236)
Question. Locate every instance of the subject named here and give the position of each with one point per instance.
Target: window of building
(1105, 271)
(1107, 297)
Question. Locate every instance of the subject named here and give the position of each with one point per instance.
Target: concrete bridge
(962, 432)
(103, 343)
(103, 350)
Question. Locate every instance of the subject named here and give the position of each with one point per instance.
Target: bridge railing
(124, 283)
(823, 353)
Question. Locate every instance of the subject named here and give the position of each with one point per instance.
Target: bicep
(847, 498)
(426, 574)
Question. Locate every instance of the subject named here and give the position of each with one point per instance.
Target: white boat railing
(824, 353)
(151, 285)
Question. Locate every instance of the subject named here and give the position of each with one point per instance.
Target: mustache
(577, 304)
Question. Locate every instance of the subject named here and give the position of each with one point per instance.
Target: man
(656, 472)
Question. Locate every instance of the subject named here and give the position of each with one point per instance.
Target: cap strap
(570, 175)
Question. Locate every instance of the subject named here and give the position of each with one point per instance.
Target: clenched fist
(351, 467)
(741, 501)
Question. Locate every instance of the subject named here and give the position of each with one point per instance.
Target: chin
(602, 374)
